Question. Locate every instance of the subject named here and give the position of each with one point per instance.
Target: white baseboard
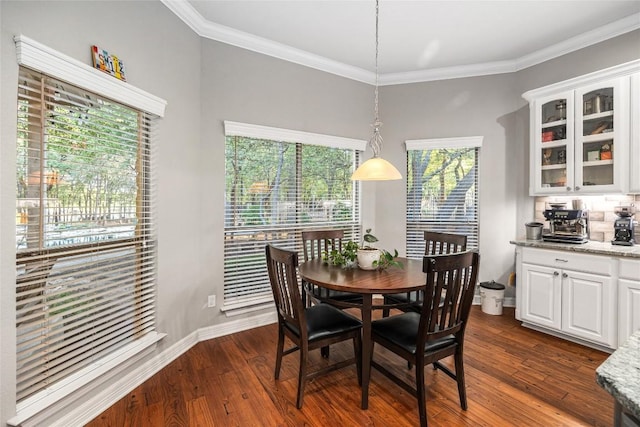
(98, 403)
(567, 337)
(240, 325)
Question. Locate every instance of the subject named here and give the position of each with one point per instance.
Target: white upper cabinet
(580, 133)
(634, 165)
(602, 137)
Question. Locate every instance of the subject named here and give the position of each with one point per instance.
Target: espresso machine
(567, 225)
(624, 226)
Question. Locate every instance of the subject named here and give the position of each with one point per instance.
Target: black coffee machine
(623, 227)
(566, 225)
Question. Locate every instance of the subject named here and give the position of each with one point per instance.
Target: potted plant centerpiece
(367, 254)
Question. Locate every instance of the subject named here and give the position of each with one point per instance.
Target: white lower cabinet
(588, 307)
(573, 294)
(628, 298)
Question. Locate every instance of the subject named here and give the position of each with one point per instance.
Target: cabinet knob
(569, 188)
(577, 188)
(565, 275)
(555, 273)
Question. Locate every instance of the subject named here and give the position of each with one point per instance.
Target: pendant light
(376, 168)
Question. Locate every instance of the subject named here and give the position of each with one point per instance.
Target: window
(442, 190)
(279, 182)
(85, 241)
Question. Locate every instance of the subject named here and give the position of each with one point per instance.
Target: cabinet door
(589, 307)
(541, 296)
(601, 137)
(634, 185)
(629, 308)
(552, 144)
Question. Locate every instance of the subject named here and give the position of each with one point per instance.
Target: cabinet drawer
(629, 269)
(568, 260)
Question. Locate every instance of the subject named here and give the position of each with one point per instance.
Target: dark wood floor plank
(515, 377)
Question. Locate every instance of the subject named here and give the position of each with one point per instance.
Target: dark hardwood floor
(515, 377)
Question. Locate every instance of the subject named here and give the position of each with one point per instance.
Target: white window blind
(442, 190)
(85, 240)
(274, 190)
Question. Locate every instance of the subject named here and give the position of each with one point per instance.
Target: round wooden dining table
(366, 283)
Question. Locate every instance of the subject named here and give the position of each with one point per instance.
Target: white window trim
(44, 400)
(437, 143)
(287, 135)
(42, 58)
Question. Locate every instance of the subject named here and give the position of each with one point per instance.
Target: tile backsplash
(601, 212)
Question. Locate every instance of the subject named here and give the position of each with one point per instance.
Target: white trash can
(492, 297)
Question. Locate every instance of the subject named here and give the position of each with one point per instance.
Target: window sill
(41, 403)
(247, 306)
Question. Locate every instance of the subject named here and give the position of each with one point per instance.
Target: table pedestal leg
(366, 347)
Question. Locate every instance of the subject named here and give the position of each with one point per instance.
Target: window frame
(42, 59)
(300, 138)
(474, 142)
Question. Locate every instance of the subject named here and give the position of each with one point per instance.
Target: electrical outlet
(212, 301)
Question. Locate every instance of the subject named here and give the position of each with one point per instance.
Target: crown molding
(600, 34)
(445, 73)
(617, 71)
(221, 33)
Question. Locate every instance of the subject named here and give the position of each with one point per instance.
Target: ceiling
(418, 40)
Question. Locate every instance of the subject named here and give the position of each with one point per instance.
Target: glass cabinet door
(553, 138)
(601, 136)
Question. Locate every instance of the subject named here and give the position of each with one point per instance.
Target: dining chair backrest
(308, 328)
(437, 243)
(448, 295)
(282, 266)
(315, 242)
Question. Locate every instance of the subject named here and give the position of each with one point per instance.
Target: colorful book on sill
(106, 63)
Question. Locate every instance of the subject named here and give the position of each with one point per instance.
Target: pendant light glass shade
(376, 168)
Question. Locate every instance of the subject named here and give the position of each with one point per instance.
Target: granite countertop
(620, 375)
(592, 247)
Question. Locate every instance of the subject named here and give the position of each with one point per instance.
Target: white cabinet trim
(616, 71)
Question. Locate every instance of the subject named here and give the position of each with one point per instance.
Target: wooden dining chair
(436, 243)
(438, 330)
(314, 244)
(308, 328)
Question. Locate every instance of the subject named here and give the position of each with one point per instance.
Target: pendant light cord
(376, 139)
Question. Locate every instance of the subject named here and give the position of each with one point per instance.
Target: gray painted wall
(490, 106)
(239, 85)
(162, 57)
(480, 106)
(206, 82)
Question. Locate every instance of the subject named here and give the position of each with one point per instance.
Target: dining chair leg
(324, 351)
(305, 297)
(302, 375)
(386, 312)
(279, 352)
(357, 349)
(421, 395)
(462, 392)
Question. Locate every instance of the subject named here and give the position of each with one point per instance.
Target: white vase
(366, 257)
